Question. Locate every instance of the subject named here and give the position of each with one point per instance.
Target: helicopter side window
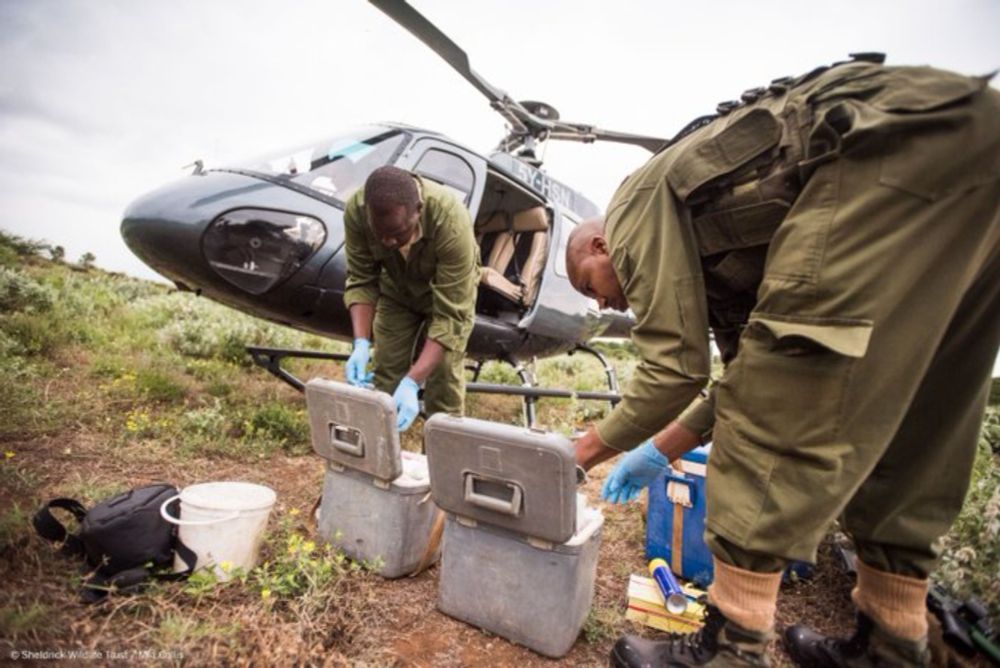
(567, 228)
(449, 170)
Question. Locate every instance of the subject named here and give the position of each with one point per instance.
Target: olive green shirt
(438, 274)
(656, 259)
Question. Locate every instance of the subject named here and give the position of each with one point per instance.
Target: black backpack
(124, 540)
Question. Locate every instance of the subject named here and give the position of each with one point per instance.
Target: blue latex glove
(358, 362)
(407, 407)
(636, 470)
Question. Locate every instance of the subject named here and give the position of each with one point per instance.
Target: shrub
(18, 292)
(207, 421)
(280, 425)
(20, 246)
(158, 386)
(971, 556)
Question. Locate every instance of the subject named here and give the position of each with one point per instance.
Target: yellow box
(645, 606)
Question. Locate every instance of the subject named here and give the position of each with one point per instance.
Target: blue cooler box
(675, 522)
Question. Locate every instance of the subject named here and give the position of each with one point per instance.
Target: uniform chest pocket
(787, 386)
(421, 264)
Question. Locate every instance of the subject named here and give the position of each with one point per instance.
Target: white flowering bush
(19, 292)
(971, 559)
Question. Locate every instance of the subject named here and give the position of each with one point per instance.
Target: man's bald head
(588, 264)
(580, 238)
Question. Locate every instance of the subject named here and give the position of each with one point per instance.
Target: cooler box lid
(696, 461)
(518, 479)
(354, 427)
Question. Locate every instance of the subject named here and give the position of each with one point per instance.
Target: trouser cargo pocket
(779, 409)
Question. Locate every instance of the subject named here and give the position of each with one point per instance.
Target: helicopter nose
(161, 230)
(251, 234)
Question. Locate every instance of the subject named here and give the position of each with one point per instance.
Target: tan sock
(896, 603)
(746, 598)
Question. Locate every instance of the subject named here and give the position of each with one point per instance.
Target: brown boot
(869, 646)
(719, 643)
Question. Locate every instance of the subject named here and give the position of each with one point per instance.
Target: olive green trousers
(397, 333)
(861, 378)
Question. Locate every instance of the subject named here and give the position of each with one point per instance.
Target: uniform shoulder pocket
(919, 89)
(744, 139)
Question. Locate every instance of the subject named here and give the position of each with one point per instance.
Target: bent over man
(840, 234)
(412, 268)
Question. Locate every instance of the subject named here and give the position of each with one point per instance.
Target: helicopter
(267, 237)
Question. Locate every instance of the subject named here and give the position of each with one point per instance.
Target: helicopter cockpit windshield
(334, 167)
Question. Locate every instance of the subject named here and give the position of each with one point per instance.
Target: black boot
(718, 643)
(869, 646)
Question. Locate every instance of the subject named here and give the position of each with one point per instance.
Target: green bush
(20, 246)
(208, 421)
(18, 292)
(37, 334)
(971, 558)
(279, 424)
(158, 386)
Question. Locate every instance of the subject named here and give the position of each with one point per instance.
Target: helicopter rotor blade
(523, 123)
(408, 17)
(589, 134)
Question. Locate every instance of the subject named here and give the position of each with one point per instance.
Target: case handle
(511, 506)
(347, 439)
(681, 480)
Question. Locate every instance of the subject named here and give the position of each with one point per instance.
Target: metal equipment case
(520, 546)
(376, 505)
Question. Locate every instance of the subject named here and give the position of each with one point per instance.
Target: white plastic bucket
(223, 524)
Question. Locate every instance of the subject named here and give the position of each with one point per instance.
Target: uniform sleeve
(456, 276)
(699, 417)
(655, 257)
(361, 286)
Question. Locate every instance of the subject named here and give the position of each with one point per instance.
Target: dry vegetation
(109, 383)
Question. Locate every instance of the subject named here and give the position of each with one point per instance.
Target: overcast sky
(102, 100)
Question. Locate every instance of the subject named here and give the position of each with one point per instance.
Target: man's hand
(636, 470)
(407, 406)
(357, 363)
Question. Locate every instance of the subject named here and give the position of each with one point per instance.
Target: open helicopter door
(560, 311)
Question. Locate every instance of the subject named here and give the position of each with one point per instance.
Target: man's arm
(453, 288)
(361, 286)
(655, 256)
(673, 442)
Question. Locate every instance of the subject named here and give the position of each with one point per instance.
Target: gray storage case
(376, 504)
(516, 559)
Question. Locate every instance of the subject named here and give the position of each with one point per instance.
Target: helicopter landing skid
(271, 359)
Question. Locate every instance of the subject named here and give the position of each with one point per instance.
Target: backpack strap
(51, 529)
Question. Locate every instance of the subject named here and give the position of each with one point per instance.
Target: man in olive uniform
(412, 263)
(840, 234)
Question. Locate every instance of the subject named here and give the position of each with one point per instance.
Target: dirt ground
(390, 622)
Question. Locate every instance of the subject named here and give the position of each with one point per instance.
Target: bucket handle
(176, 520)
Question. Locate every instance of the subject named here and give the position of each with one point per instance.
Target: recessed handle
(508, 504)
(347, 439)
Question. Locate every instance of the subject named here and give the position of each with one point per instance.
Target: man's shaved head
(392, 199)
(580, 238)
(588, 264)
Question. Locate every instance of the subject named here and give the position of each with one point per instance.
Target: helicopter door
(559, 310)
(461, 171)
